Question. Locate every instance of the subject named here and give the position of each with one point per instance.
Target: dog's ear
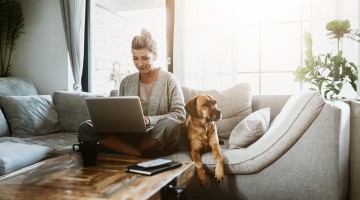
(211, 97)
(190, 107)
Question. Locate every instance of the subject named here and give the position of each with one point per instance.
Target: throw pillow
(4, 128)
(250, 129)
(30, 115)
(72, 109)
(234, 103)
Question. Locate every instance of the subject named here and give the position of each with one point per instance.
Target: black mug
(88, 152)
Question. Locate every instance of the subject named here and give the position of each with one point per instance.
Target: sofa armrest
(321, 156)
(72, 109)
(354, 149)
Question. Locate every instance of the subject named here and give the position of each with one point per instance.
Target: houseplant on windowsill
(328, 73)
(11, 27)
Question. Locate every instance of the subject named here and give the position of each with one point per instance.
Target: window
(115, 23)
(221, 42)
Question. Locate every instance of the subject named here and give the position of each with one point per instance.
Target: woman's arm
(174, 100)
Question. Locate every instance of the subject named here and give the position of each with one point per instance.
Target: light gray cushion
(72, 109)
(14, 156)
(4, 128)
(234, 103)
(250, 129)
(30, 115)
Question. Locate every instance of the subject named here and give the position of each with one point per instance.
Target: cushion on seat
(30, 115)
(4, 128)
(58, 142)
(72, 109)
(234, 102)
(14, 156)
(250, 129)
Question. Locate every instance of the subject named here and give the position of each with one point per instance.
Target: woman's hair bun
(146, 33)
(144, 41)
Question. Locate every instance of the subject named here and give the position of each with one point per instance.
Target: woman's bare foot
(116, 144)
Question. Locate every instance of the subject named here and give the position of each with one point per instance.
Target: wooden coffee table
(64, 177)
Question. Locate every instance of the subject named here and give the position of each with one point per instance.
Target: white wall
(41, 53)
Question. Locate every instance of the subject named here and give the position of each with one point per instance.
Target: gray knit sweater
(166, 101)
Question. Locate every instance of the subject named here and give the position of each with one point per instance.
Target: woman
(162, 102)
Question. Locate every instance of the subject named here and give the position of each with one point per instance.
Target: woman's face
(143, 59)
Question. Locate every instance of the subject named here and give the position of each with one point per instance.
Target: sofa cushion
(250, 129)
(14, 156)
(292, 122)
(234, 102)
(30, 115)
(72, 109)
(60, 143)
(4, 128)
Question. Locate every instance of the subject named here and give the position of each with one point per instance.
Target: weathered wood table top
(64, 177)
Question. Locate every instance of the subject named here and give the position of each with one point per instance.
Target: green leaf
(326, 94)
(308, 40)
(309, 53)
(325, 72)
(353, 85)
(338, 28)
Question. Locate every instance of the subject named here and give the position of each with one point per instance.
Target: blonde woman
(161, 99)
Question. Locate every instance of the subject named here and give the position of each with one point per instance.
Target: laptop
(121, 115)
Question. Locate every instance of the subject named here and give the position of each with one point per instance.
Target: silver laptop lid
(116, 114)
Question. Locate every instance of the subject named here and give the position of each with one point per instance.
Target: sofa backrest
(275, 102)
(17, 86)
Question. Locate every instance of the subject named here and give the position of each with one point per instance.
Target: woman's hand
(146, 120)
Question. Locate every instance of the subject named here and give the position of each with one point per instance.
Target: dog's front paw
(203, 182)
(219, 173)
(202, 178)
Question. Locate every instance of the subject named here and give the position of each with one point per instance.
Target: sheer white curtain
(73, 12)
(220, 42)
(202, 43)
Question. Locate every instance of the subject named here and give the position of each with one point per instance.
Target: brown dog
(202, 134)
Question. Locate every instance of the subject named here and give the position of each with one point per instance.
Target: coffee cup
(88, 152)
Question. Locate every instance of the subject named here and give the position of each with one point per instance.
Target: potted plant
(328, 73)
(11, 27)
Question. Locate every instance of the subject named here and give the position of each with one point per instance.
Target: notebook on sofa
(121, 115)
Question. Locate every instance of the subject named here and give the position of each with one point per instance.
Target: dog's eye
(206, 105)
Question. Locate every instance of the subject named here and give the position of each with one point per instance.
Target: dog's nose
(217, 114)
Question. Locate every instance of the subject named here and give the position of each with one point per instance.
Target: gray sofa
(303, 155)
